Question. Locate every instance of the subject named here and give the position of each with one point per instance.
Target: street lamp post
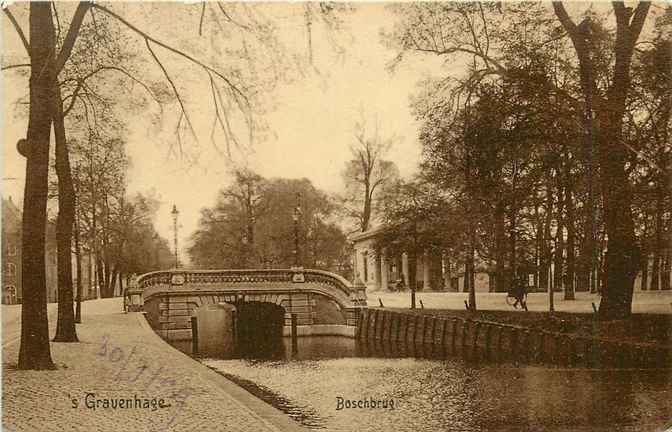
(296, 216)
(175, 213)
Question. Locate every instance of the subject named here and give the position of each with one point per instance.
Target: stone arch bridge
(318, 297)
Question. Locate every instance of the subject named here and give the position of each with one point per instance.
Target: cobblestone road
(120, 357)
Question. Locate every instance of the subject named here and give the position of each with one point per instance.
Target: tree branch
(58, 21)
(71, 37)
(218, 118)
(564, 18)
(230, 136)
(231, 20)
(200, 24)
(145, 36)
(74, 95)
(484, 57)
(15, 66)
(172, 84)
(81, 81)
(639, 18)
(17, 27)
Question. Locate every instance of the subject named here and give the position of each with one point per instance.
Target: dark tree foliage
(252, 226)
(553, 142)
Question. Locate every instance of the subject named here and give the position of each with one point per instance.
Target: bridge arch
(318, 297)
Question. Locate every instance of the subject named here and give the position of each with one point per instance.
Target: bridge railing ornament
(295, 275)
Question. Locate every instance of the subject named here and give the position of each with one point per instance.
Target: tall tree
(367, 174)
(498, 40)
(65, 326)
(605, 109)
(35, 352)
(46, 63)
(413, 214)
(251, 226)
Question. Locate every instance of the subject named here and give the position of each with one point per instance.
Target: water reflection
(431, 394)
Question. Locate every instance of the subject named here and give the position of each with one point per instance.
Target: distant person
(520, 292)
(127, 299)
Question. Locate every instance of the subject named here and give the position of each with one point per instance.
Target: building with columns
(380, 271)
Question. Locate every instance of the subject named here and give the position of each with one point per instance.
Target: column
(355, 269)
(364, 276)
(384, 276)
(404, 269)
(377, 274)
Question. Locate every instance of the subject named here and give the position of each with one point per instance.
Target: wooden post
(194, 335)
(394, 319)
(443, 337)
(364, 324)
(234, 329)
(295, 341)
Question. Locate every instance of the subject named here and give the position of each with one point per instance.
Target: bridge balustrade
(318, 297)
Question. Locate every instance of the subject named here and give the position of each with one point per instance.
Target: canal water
(388, 389)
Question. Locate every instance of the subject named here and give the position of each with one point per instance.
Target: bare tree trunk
(658, 237)
(501, 284)
(107, 272)
(513, 227)
(412, 269)
(470, 275)
(447, 271)
(644, 264)
(538, 236)
(667, 267)
(35, 352)
(78, 256)
(584, 265)
(113, 281)
(65, 326)
(366, 214)
(513, 220)
(622, 257)
(571, 235)
(622, 260)
(558, 259)
(120, 276)
(544, 275)
(645, 270)
(99, 276)
(96, 260)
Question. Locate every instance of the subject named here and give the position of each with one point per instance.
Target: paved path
(120, 357)
(643, 302)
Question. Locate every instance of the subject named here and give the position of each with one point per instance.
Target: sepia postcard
(338, 216)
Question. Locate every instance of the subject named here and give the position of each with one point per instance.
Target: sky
(311, 121)
(311, 124)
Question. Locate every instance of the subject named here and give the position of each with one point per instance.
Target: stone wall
(170, 314)
(488, 341)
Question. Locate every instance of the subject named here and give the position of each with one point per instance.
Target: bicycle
(510, 298)
(513, 300)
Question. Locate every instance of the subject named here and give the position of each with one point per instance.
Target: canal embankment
(518, 337)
